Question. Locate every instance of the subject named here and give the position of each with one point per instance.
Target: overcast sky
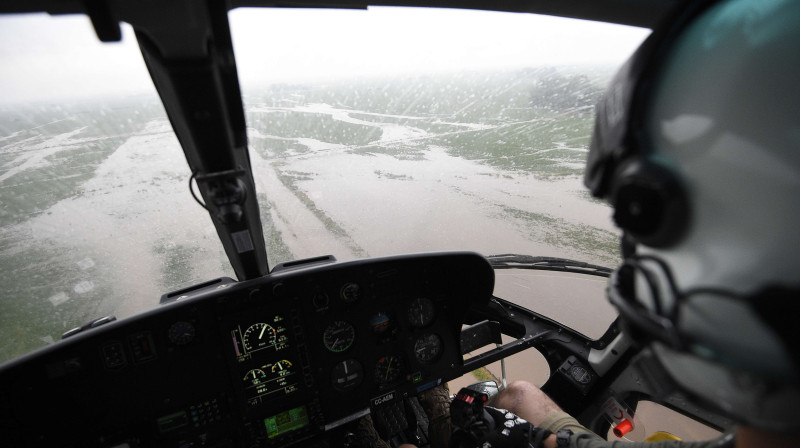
(51, 58)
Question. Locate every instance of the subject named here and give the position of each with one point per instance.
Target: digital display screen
(172, 422)
(284, 422)
(267, 335)
(270, 380)
(268, 368)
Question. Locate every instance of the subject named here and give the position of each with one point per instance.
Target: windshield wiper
(516, 261)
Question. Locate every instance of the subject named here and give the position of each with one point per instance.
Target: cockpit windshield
(371, 133)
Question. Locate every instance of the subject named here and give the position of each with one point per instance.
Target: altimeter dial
(428, 348)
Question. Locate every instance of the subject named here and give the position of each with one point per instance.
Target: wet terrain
(97, 218)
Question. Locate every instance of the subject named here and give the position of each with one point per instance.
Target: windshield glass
(371, 133)
(401, 130)
(404, 130)
(96, 214)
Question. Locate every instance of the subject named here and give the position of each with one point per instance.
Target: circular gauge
(388, 369)
(581, 375)
(281, 367)
(347, 375)
(380, 323)
(320, 300)
(255, 376)
(350, 292)
(427, 348)
(421, 312)
(181, 333)
(258, 336)
(338, 336)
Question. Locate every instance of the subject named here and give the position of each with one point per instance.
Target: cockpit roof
(642, 13)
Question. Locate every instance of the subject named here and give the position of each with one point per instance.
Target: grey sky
(52, 58)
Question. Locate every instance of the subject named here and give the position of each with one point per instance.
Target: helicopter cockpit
(295, 353)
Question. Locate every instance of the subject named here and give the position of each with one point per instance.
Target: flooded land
(97, 217)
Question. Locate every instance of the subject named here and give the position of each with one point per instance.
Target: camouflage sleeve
(584, 438)
(559, 420)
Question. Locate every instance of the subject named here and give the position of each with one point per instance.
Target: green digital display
(172, 422)
(284, 422)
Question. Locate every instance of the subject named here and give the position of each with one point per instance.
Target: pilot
(697, 148)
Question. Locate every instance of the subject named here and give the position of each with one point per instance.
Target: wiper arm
(516, 261)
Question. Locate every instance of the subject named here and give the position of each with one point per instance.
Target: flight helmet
(697, 148)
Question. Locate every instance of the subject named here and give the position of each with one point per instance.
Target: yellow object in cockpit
(661, 436)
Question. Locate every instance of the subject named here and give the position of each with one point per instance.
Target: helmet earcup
(649, 203)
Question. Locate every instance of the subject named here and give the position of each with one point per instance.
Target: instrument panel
(267, 367)
(275, 361)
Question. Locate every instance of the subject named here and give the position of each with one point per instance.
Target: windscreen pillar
(190, 57)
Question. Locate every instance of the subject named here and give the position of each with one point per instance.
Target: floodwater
(114, 242)
(389, 205)
(133, 210)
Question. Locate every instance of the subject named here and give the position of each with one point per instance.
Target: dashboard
(286, 359)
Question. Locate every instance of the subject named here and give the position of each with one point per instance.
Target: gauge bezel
(349, 383)
(333, 326)
(438, 346)
(395, 364)
(421, 312)
(181, 332)
(350, 292)
(267, 329)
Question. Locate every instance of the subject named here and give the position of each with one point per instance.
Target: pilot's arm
(541, 424)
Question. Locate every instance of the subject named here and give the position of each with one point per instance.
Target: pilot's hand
(512, 431)
(478, 425)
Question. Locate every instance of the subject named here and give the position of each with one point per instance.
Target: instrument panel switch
(142, 347)
(113, 355)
